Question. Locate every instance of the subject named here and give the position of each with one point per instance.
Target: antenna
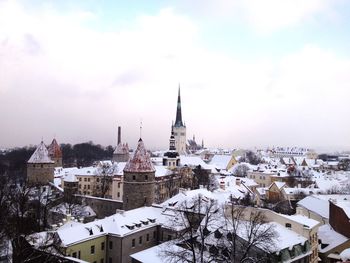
(140, 128)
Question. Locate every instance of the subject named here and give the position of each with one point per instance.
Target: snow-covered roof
(345, 254)
(141, 162)
(304, 220)
(122, 223)
(316, 205)
(162, 171)
(220, 161)
(41, 155)
(151, 255)
(279, 185)
(70, 178)
(192, 161)
(122, 148)
(328, 236)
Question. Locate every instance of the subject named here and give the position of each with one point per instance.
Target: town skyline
(251, 75)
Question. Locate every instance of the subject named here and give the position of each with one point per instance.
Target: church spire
(178, 121)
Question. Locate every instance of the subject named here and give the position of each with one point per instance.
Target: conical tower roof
(54, 149)
(141, 162)
(41, 155)
(178, 120)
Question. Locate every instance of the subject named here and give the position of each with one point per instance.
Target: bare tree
(193, 217)
(104, 179)
(240, 170)
(228, 234)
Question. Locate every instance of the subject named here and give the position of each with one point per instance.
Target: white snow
(41, 155)
(330, 237)
(345, 254)
(316, 205)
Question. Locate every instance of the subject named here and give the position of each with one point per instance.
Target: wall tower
(139, 180)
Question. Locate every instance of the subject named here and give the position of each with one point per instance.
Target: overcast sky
(252, 72)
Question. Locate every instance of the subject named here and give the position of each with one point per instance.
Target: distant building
(121, 153)
(55, 153)
(179, 129)
(40, 167)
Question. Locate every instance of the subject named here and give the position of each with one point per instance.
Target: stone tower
(171, 158)
(40, 167)
(139, 180)
(121, 153)
(55, 153)
(179, 129)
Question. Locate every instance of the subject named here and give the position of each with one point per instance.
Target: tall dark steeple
(178, 121)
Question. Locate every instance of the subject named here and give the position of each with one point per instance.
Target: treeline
(85, 154)
(13, 162)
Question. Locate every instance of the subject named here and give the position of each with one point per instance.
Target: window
(74, 255)
(133, 243)
(288, 225)
(146, 177)
(118, 185)
(88, 186)
(110, 260)
(140, 240)
(92, 250)
(134, 177)
(169, 237)
(95, 261)
(103, 246)
(88, 179)
(102, 260)
(85, 179)
(110, 245)
(147, 237)
(98, 179)
(84, 186)
(79, 254)
(118, 194)
(79, 178)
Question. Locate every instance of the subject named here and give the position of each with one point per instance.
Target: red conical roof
(54, 149)
(141, 162)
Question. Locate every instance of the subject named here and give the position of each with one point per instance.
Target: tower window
(146, 177)
(133, 243)
(134, 177)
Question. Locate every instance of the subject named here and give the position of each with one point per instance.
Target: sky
(252, 73)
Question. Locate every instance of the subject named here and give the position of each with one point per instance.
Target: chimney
(119, 134)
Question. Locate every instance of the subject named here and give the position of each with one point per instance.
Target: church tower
(171, 158)
(55, 153)
(179, 129)
(139, 180)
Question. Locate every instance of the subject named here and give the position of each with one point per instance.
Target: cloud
(60, 76)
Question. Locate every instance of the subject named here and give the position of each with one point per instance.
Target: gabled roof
(318, 206)
(41, 155)
(141, 162)
(54, 149)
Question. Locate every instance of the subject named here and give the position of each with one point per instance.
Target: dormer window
(153, 220)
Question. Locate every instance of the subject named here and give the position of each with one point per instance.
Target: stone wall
(138, 189)
(40, 173)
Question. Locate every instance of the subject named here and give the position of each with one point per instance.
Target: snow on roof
(41, 155)
(122, 148)
(75, 210)
(141, 162)
(70, 178)
(162, 170)
(193, 161)
(220, 161)
(345, 254)
(121, 224)
(155, 254)
(345, 205)
(316, 205)
(304, 220)
(279, 185)
(330, 238)
(287, 238)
